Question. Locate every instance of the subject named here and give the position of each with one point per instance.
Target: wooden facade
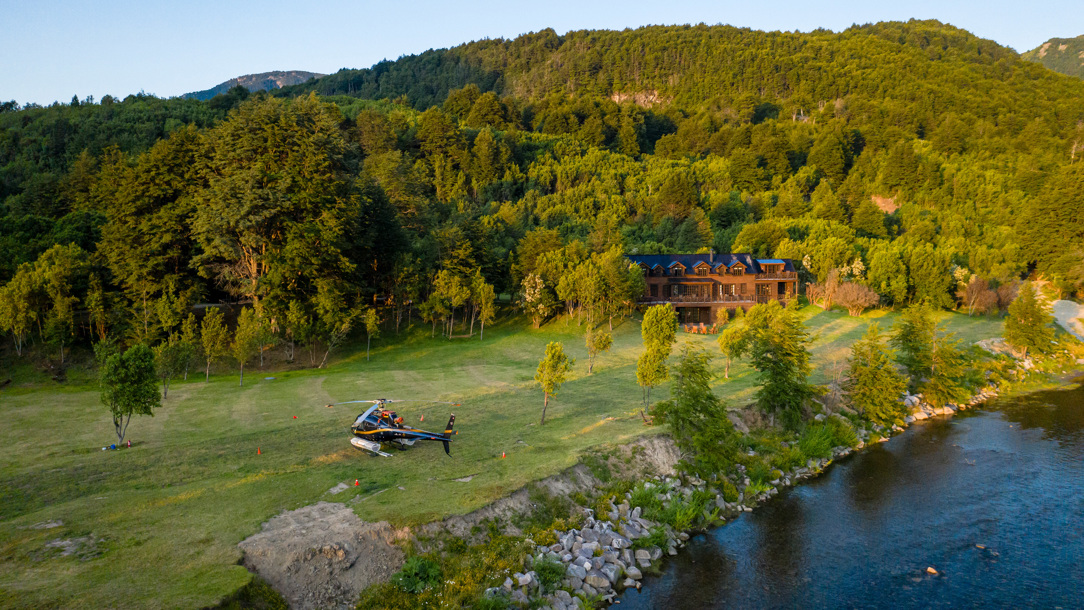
(699, 285)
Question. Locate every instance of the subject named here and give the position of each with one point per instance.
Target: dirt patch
(322, 556)
(84, 548)
(885, 204)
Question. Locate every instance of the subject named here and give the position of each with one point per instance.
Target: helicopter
(378, 424)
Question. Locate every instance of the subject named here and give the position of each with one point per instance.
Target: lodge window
(678, 272)
(702, 271)
(742, 288)
(739, 271)
(654, 290)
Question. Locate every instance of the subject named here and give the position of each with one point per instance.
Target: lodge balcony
(778, 275)
(724, 299)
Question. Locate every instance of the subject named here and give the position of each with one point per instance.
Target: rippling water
(1009, 478)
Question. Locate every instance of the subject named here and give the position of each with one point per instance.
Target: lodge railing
(778, 275)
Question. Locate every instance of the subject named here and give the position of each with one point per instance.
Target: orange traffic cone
(257, 451)
(355, 482)
(502, 455)
(423, 418)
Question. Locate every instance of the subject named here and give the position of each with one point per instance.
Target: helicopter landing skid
(370, 446)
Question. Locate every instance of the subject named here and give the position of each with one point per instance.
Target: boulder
(519, 597)
(610, 571)
(643, 563)
(630, 583)
(576, 571)
(508, 584)
(619, 542)
(589, 590)
(563, 596)
(589, 535)
(597, 579)
(525, 580)
(634, 572)
(588, 549)
(642, 554)
(635, 513)
(656, 553)
(575, 583)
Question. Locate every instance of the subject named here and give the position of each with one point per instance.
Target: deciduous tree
(551, 373)
(598, 341)
(215, 338)
(129, 386)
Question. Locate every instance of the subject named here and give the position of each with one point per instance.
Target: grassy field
(158, 525)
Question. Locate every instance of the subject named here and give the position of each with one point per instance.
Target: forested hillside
(912, 157)
(1065, 55)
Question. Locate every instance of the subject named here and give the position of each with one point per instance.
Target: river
(992, 499)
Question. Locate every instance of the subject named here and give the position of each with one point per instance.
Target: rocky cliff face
(1065, 55)
(265, 81)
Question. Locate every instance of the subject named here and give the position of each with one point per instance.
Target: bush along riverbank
(577, 540)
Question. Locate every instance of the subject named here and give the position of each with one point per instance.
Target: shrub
(759, 471)
(816, 441)
(550, 572)
(657, 537)
(498, 602)
(755, 489)
(647, 499)
(843, 433)
(788, 458)
(730, 492)
(417, 574)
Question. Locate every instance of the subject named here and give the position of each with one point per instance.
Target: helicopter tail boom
(448, 434)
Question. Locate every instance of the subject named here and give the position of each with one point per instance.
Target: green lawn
(166, 516)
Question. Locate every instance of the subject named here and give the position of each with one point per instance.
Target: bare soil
(323, 555)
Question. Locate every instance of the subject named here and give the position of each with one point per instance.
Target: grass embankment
(158, 525)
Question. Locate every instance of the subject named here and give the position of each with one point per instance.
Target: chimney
(711, 256)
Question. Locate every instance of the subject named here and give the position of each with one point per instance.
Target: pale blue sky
(53, 49)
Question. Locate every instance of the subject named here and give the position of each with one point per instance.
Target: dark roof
(691, 260)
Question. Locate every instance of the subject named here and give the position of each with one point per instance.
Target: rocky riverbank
(607, 556)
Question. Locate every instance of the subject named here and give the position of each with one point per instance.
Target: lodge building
(699, 285)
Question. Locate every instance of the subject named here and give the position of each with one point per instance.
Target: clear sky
(53, 49)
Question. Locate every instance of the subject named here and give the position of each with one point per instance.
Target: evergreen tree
(1030, 323)
(873, 384)
(778, 350)
(696, 417)
(948, 365)
(913, 338)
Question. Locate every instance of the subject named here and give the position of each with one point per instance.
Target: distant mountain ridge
(265, 81)
(1065, 55)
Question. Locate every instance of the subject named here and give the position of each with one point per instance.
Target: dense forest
(913, 158)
